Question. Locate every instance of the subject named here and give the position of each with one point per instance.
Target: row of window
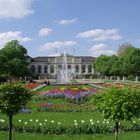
(77, 68)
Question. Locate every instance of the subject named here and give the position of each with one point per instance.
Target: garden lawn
(28, 136)
(66, 118)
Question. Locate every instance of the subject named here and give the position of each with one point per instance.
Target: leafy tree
(126, 63)
(131, 63)
(112, 60)
(13, 59)
(101, 65)
(116, 68)
(122, 50)
(118, 104)
(13, 97)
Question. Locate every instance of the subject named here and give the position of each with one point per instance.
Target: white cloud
(67, 21)
(44, 31)
(15, 8)
(101, 34)
(57, 44)
(8, 36)
(101, 49)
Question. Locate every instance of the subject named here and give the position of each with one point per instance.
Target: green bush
(131, 77)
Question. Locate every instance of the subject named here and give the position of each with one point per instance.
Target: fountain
(65, 75)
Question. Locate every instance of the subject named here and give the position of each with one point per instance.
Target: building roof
(87, 58)
(45, 58)
(41, 59)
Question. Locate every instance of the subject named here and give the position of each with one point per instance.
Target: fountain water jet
(64, 75)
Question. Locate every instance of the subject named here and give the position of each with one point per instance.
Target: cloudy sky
(82, 27)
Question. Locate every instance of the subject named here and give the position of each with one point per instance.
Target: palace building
(49, 66)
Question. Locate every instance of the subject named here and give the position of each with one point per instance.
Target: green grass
(34, 104)
(28, 136)
(66, 118)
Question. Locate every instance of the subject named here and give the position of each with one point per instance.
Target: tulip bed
(32, 85)
(67, 107)
(71, 99)
(73, 94)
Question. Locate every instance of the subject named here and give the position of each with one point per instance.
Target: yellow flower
(85, 88)
(62, 89)
(74, 89)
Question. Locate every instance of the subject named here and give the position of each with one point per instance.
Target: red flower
(32, 85)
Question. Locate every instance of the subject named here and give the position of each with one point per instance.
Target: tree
(13, 97)
(122, 50)
(112, 60)
(118, 104)
(13, 60)
(116, 68)
(132, 61)
(101, 65)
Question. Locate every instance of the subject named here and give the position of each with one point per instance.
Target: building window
(33, 69)
(45, 69)
(69, 67)
(89, 69)
(77, 69)
(39, 69)
(77, 60)
(52, 60)
(51, 69)
(83, 69)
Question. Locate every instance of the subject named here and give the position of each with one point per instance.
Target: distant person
(48, 82)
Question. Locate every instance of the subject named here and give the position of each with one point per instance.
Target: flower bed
(86, 107)
(69, 93)
(119, 85)
(32, 85)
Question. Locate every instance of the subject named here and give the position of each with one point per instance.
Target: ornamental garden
(90, 109)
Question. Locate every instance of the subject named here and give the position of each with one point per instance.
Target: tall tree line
(125, 63)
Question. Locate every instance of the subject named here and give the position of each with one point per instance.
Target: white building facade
(48, 67)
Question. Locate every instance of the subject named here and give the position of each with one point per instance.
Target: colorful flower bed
(69, 93)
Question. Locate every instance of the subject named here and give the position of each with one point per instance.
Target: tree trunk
(116, 130)
(10, 127)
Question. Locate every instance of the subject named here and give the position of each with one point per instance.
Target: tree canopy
(101, 65)
(126, 63)
(13, 97)
(118, 104)
(13, 59)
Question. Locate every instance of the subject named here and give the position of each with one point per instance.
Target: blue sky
(83, 27)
